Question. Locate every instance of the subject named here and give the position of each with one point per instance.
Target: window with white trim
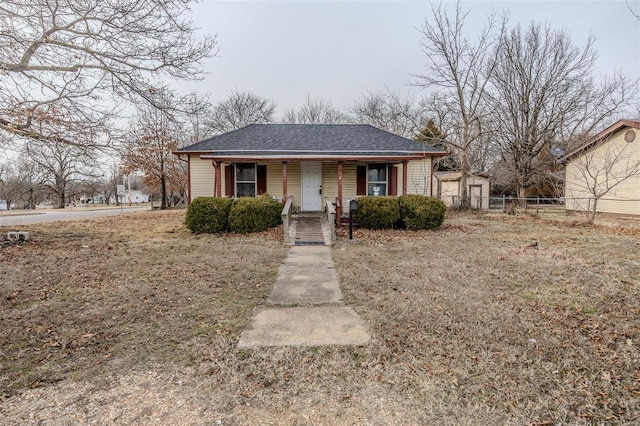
(245, 180)
(376, 179)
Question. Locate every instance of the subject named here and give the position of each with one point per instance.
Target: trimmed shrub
(377, 212)
(420, 212)
(254, 214)
(208, 215)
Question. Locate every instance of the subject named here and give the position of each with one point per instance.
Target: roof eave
(320, 157)
(600, 137)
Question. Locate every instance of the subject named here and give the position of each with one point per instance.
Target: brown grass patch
(137, 321)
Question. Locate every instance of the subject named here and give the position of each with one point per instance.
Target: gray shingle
(300, 139)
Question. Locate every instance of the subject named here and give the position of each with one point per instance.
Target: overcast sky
(340, 50)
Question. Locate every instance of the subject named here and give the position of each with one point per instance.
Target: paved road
(73, 214)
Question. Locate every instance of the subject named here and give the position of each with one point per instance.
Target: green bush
(208, 215)
(254, 214)
(420, 212)
(377, 212)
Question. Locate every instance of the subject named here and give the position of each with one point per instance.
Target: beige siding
(449, 190)
(478, 189)
(202, 177)
(418, 177)
(624, 198)
(330, 181)
(274, 180)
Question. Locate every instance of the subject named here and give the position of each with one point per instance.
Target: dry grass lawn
(132, 320)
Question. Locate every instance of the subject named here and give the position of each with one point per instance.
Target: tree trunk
(163, 189)
(464, 195)
(32, 204)
(522, 196)
(61, 197)
(592, 212)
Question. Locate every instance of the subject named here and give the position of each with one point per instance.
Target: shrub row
(407, 211)
(216, 215)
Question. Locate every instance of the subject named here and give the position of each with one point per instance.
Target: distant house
(605, 160)
(311, 162)
(134, 196)
(3, 205)
(478, 189)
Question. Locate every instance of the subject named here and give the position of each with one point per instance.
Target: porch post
(284, 181)
(339, 212)
(188, 181)
(217, 189)
(431, 179)
(404, 177)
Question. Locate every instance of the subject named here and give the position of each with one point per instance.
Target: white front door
(311, 186)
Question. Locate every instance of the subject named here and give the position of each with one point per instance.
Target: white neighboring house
(3, 205)
(478, 189)
(137, 197)
(606, 170)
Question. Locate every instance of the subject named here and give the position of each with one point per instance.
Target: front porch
(310, 182)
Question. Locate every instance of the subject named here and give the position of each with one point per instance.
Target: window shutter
(361, 186)
(262, 179)
(393, 180)
(229, 183)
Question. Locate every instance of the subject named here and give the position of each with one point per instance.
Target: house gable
(622, 137)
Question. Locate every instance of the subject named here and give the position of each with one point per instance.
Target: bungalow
(604, 172)
(310, 162)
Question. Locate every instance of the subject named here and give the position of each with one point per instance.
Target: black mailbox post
(353, 205)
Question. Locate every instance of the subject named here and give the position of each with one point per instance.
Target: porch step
(309, 231)
(310, 243)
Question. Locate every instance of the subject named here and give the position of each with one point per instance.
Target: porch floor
(311, 229)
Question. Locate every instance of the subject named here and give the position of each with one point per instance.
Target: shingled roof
(308, 141)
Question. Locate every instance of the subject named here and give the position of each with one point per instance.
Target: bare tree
(316, 111)
(18, 183)
(66, 64)
(600, 170)
(544, 93)
(241, 109)
(390, 111)
(635, 13)
(197, 110)
(59, 165)
(109, 184)
(154, 135)
(461, 69)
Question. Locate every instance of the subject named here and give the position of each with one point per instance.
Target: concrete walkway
(307, 276)
(306, 280)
